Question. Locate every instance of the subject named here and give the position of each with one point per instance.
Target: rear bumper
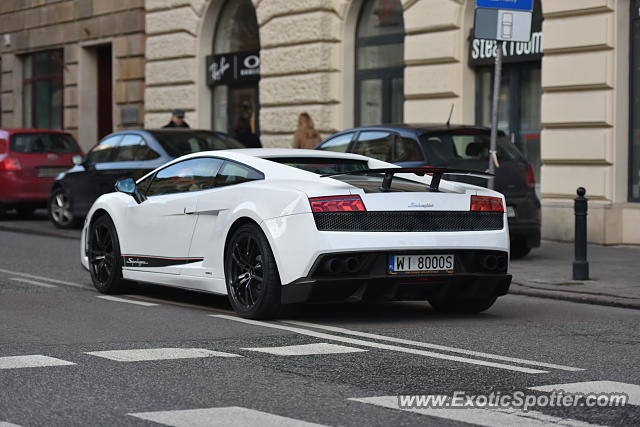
(528, 231)
(406, 288)
(526, 223)
(473, 277)
(15, 189)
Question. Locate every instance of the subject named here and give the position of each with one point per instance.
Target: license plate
(511, 212)
(50, 172)
(420, 263)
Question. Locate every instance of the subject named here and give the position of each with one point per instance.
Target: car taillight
(10, 164)
(337, 204)
(531, 177)
(486, 204)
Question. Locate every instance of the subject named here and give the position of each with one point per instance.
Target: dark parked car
(122, 155)
(465, 147)
(30, 159)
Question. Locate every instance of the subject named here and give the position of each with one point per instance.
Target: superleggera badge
(136, 262)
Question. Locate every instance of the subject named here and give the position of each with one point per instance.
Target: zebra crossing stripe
(221, 417)
(481, 417)
(306, 349)
(596, 387)
(31, 361)
(148, 354)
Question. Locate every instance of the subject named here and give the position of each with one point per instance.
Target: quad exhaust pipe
(335, 266)
(494, 263)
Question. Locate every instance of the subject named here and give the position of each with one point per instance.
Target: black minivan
(455, 146)
(125, 154)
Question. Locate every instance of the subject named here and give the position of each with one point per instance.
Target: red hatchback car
(30, 160)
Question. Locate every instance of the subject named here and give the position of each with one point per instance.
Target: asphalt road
(159, 356)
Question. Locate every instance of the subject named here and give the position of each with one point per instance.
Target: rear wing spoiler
(420, 171)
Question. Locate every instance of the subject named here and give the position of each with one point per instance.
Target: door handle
(189, 210)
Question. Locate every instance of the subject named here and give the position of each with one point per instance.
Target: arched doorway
(379, 74)
(234, 69)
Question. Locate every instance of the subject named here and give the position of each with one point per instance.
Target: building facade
(72, 64)
(570, 98)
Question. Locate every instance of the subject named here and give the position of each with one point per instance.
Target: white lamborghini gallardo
(273, 227)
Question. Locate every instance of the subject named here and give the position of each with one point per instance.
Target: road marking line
(596, 387)
(147, 354)
(434, 346)
(482, 417)
(46, 279)
(32, 282)
(6, 424)
(221, 417)
(31, 361)
(116, 299)
(307, 349)
(363, 343)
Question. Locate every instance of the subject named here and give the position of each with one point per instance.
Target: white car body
(192, 227)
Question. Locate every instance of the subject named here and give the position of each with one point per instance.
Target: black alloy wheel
(105, 261)
(253, 282)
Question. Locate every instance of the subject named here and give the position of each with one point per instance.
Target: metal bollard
(580, 263)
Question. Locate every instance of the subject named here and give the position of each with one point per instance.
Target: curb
(583, 298)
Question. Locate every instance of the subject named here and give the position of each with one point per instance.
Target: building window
(235, 70)
(42, 90)
(380, 63)
(634, 140)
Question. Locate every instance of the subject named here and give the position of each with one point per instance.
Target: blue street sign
(506, 4)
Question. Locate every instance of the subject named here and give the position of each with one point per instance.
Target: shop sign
(483, 52)
(230, 68)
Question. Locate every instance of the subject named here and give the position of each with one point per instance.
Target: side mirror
(128, 186)
(77, 160)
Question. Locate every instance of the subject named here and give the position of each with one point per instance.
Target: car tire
(519, 248)
(462, 306)
(105, 260)
(59, 207)
(251, 274)
(25, 212)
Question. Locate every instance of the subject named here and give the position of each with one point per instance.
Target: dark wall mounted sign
(230, 68)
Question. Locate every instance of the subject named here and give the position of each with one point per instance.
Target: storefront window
(42, 90)
(235, 70)
(634, 148)
(520, 95)
(380, 63)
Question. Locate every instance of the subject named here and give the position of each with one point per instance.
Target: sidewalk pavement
(614, 273)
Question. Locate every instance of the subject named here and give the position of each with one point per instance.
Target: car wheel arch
(239, 222)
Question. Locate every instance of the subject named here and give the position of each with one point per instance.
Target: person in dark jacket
(177, 119)
(244, 134)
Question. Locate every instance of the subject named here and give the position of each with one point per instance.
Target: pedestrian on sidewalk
(177, 119)
(305, 136)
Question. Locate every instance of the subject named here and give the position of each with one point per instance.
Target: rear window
(34, 143)
(373, 184)
(370, 183)
(442, 148)
(181, 142)
(322, 166)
